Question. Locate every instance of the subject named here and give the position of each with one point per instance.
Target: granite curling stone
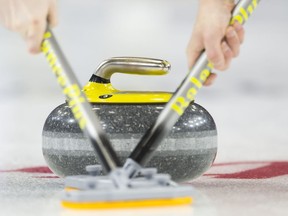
(186, 153)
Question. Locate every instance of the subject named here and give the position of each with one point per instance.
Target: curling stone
(186, 153)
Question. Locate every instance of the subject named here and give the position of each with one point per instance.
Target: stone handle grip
(131, 65)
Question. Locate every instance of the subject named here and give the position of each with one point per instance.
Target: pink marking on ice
(268, 170)
(39, 169)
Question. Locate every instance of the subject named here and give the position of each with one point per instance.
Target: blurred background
(248, 102)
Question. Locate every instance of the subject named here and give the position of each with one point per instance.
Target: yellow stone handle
(100, 89)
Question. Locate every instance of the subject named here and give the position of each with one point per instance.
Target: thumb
(194, 49)
(212, 44)
(34, 35)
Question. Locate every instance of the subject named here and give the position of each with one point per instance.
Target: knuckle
(212, 56)
(221, 67)
(232, 38)
(229, 54)
(35, 20)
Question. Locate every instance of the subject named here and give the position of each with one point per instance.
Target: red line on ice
(268, 170)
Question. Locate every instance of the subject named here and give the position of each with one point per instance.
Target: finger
(212, 44)
(192, 58)
(240, 31)
(53, 14)
(228, 54)
(233, 41)
(210, 80)
(23, 31)
(35, 34)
